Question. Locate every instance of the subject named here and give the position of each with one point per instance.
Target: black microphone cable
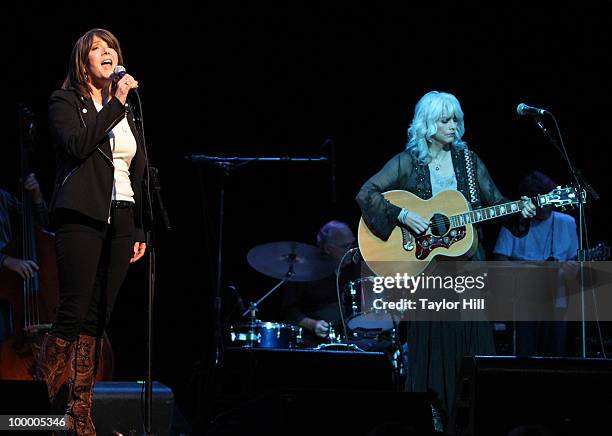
(342, 320)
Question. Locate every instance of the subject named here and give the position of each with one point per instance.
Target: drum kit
(298, 262)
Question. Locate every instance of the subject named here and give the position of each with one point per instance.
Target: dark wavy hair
(77, 67)
(535, 183)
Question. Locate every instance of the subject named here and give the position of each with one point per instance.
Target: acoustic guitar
(450, 234)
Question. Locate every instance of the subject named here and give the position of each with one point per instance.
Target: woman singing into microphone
(96, 209)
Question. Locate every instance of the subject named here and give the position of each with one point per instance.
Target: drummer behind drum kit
(299, 262)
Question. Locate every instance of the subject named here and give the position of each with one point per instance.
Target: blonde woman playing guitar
(436, 160)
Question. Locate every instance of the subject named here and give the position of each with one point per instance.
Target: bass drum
(358, 302)
(260, 334)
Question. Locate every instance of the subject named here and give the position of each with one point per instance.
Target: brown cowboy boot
(51, 360)
(82, 376)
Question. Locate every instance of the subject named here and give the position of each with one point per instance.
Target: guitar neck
(489, 213)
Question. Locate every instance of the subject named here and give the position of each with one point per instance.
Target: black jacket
(84, 165)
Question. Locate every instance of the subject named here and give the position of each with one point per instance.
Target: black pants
(92, 259)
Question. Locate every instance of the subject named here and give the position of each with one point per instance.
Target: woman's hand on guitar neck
(413, 221)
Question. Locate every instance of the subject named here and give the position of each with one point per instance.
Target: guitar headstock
(561, 198)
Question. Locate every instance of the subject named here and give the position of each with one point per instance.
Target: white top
(123, 146)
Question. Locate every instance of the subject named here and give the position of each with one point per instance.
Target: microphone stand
(199, 158)
(227, 164)
(581, 185)
(332, 165)
(152, 187)
(155, 187)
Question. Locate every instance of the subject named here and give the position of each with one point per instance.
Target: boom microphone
(523, 109)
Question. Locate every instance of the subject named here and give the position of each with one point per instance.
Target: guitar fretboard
(487, 213)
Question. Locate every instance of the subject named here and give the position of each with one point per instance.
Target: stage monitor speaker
(495, 395)
(255, 371)
(118, 407)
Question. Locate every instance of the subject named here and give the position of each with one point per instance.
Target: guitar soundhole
(440, 225)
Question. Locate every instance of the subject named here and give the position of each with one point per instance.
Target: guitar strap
(471, 176)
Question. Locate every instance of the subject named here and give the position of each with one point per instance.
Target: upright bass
(33, 302)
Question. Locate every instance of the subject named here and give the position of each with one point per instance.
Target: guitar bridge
(428, 242)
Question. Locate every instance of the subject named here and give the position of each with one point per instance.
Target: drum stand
(227, 164)
(401, 359)
(253, 307)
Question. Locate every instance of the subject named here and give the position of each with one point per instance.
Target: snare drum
(358, 296)
(261, 334)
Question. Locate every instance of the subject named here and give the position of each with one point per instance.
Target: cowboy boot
(51, 360)
(82, 376)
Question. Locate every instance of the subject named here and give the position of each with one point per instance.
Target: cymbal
(295, 260)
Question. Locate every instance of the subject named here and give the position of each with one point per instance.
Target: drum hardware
(358, 307)
(338, 347)
(227, 165)
(332, 336)
(261, 334)
(286, 261)
(296, 261)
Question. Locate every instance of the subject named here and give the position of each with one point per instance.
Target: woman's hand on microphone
(124, 85)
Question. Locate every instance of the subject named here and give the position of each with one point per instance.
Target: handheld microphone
(119, 71)
(523, 109)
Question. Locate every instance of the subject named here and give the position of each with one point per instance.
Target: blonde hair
(430, 108)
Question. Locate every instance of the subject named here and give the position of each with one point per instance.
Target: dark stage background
(260, 80)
